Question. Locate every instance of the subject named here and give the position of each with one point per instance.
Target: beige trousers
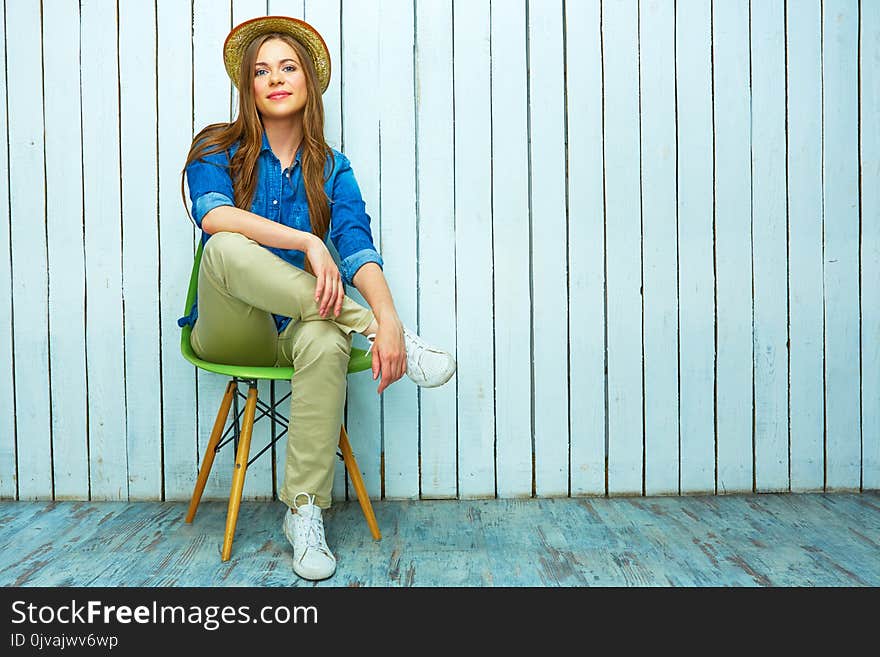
(240, 285)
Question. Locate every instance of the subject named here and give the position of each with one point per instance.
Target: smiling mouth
(278, 96)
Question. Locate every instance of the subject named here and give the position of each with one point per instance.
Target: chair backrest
(193, 279)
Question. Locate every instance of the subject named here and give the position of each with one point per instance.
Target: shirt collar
(267, 147)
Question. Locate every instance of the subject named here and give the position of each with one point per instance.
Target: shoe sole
(312, 578)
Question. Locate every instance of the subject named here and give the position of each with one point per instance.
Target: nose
(274, 76)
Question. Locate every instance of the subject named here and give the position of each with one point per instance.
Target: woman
(267, 191)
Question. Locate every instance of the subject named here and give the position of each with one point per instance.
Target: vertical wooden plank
(8, 476)
(549, 245)
(586, 246)
(733, 243)
(623, 232)
(436, 226)
(140, 248)
(180, 441)
(841, 234)
(64, 217)
(804, 33)
(397, 196)
(473, 231)
(105, 340)
(657, 88)
(292, 8)
(211, 93)
(869, 41)
(696, 277)
(360, 129)
(29, 262)
(258, 484)
(769, 246)
(325, 17)
(511, 249)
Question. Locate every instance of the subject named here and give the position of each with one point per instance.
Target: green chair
(360, 361)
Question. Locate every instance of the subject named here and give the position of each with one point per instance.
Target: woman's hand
(329, 291)
(389, 353)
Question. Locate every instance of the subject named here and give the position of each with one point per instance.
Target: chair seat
(359, 361)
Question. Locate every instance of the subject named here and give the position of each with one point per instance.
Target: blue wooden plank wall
(649, 230)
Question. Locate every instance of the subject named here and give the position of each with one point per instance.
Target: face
(279, 81)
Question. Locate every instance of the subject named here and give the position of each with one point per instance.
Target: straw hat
(242, 35)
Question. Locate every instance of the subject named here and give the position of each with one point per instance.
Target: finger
(328, 293)
(319, 288)
(401, 368)
(391, 378)
(386, 379)
(389, 373)
(334, 296)
(377, 362)
(393, 371)
(331, 291)
(340, 295)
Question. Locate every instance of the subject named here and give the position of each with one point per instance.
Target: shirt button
(274, 201)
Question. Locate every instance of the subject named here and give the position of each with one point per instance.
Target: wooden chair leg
(208, 459)
(241, 461)
(358, 483)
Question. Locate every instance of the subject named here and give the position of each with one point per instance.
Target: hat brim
(241, 36)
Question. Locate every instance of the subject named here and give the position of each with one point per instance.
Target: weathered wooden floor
(755, 540)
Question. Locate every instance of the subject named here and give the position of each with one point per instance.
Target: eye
(290, 67)
(260, 71)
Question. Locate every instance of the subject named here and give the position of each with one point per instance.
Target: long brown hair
(247, 129)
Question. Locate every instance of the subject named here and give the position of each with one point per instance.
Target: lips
(278, 95)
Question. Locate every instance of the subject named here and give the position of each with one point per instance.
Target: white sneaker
(427, 366)
(312, 559)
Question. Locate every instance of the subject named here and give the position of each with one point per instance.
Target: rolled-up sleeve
(350, 223)
(209, 184)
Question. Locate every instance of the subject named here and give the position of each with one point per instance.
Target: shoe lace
(315, 534)
(414, 349)
(314, 526)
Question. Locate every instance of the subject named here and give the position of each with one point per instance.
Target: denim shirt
(281, 196)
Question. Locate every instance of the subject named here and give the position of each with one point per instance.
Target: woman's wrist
(300, 240)
(386, 315)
